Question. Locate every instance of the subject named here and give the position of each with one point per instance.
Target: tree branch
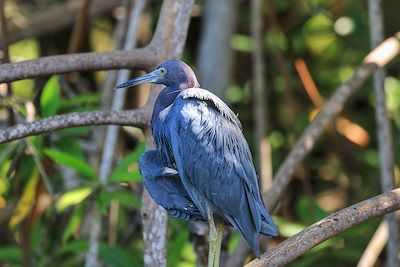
(383, 130)
(53, 18)
(138, 118)
(142, 58)
(169, 38)
(335, 223)
(380, 56)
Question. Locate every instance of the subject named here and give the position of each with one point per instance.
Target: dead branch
(138, 118)
(335, 223)
(380, 56)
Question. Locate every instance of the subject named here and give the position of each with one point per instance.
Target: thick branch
(53, 18)
(137, 118)
(380, 56)
(143, 58)
(337, 222)
(169, 38)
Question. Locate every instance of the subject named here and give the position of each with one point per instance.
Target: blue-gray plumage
(165, 187)
(199, 136)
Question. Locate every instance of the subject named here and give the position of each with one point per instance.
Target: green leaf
(126, 199)
(128, 169)
(308, 210)
(71, 247)
(74, 222)
(233, 242)
(50, 99)
(71, 161)
(72, 197)
(117, 257)
(11, 255)
(242, 43)
(175, 247)
(287, 228)
(80, 100)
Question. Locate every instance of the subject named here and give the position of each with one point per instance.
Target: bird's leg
(214, 240)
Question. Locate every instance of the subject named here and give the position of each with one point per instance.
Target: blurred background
(305, 49)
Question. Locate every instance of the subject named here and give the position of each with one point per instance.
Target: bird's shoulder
(210, 101)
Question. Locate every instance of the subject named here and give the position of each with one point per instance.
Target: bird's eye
(163, 71)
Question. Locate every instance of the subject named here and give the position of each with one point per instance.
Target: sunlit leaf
(233, 242)
(72, 197)
(242, 43)
(392, 88)
(74, 222)
(50, 98)
(319, 33)
(71, 161)
(287, 228)
(26, 202)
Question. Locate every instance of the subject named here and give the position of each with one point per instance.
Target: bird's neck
(164, 99)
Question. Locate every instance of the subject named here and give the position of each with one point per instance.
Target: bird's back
(215, 163)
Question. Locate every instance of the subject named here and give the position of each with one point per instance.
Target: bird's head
(172, 73)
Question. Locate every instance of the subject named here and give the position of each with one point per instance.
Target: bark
(335, 223)
(384, 133)
(138, 118)
(143, 58)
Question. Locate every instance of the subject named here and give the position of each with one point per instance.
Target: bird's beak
(151, 77)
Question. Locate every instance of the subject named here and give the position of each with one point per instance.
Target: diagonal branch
(335, 223)
(138, 118)
(142, 58)
(380, 56)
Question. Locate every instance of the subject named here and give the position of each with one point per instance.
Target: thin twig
(375, 13)
(335, 223)
(259, 97)
(138, 118)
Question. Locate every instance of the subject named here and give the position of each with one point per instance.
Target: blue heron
(202, 158)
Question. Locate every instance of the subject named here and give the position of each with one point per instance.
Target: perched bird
(201, 138)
